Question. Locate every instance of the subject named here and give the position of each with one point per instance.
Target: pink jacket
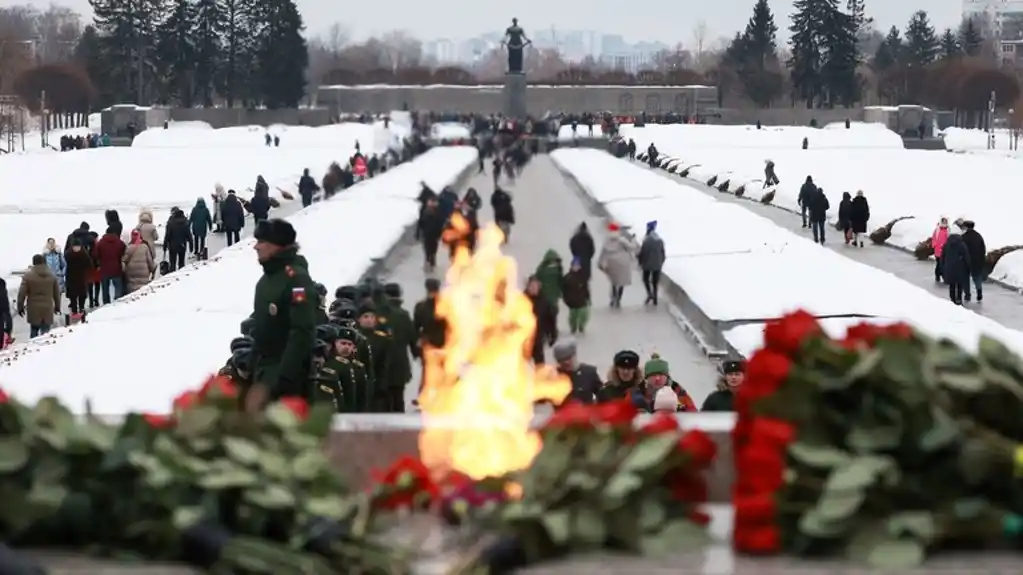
(938, 239)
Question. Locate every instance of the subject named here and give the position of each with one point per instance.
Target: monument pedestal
(515, 95)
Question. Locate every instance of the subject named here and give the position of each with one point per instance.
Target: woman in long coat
(859, 215)
(616, 261)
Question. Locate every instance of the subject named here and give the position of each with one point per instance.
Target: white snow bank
(140, 352)
(976, 141)
(254, 137)
(738, 266)
(676, 138)
(450, 131)
(581, 131)
(923, 184)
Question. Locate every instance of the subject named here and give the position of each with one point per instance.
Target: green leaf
(270, 497)
(835, 505)
(197, 421)
(621, 485)
(308, 464)
(186, 517)
(864, 539)
(558, 525)
(229, 478)
(677, 535)
(864, 438)
(52, 438)
(589, 526)
(13, 455)
(815, 524)
(241, 450)
(522, 511)
(964, 382)
(98, 435)
(969, 508)
(329, 506)
(319, 422)
(919, 524)
(651, 515)
(281, 417)
(50, 496)
(649, 453)
(582, 480)
(818, 456)
(944, 432)
(859, 473)
(896, 554)
(866, 363)
(274, 465)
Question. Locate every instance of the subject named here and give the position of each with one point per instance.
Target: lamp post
(991, 122)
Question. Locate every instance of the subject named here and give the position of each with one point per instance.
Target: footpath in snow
(548, 210)
(1000, 304)
(742, 269)
(140, 352)
(916, 184)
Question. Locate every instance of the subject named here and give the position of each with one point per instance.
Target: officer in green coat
(380, 347)
(403, 334)
(350, 373)
(284, 318)
(347, 315)
(326, 387)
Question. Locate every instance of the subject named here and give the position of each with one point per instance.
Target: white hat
(665, 400)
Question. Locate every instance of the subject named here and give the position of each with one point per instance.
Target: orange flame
(480, 389)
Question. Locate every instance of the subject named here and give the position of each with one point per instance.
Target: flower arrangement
(883, 446)
(220, 489)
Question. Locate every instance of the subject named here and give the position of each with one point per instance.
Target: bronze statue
(516, 41)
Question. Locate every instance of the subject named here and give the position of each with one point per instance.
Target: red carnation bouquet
(882, 446)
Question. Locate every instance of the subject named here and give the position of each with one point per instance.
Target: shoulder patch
(329, 370)
(290, 271)
(298, 295)
(327, 389)
(342, 360)
(358, 363)
(382, 333)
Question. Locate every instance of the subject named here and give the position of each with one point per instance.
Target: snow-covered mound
(674, 138)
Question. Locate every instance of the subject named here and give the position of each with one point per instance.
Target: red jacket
(108, 253)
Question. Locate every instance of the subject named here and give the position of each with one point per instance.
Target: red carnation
(219, 385)
(662, 422)
(899, 330)
(687, 486)
(760, 468)
(699, 446)
(863, 332)
(407, 479)
(754, 509)
(787, 334)
(766, 371)
(699, 517)
(572, 414)
(761, 540)
(158, 421)
(186, 400)
(297, 405)
(4, 398)
(776, 431)
(616, 413)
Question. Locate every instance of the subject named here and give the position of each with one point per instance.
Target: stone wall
(115, 120)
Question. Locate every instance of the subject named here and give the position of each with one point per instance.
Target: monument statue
(516, 41)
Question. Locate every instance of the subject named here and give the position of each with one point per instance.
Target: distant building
(1011, 51)
(998, 12)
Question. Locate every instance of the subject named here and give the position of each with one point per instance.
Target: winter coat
(307, 187)
(108, 253)
(845, 212)
(55, 261)
(955, 260)
(472, 199)
(84, 237)
(616, 260)
(113, 220)
(431, 225)
(447, 200)
(546, 320)
(504, 211)
(549, 273)
(39, 295)
(585, 383)
(200, 219)
(429, 328)
(938, 239)
(614, 388)
(581, 245)
(79, 268)
(575, 289)
(6, 317)
(977, 250)
(232, 214)
(139, 266)
(859, 215)
(259, 206)
(261, 188)
(719, 400)
(147, 229)
(806, 193)
(818, 206)
(177, 233)
(651, 253)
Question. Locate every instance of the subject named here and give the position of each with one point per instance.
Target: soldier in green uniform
(351, 374)
(380, 347)
(326, 388)
(321, 303)
(284, 317)
(346, 315)
(403, 334)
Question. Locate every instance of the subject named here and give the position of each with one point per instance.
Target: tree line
(249, 53)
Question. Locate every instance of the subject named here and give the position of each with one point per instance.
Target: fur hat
(276, 231)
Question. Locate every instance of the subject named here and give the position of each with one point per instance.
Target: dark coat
(175, 237)
(307, 187)
(501, 202)
(818, 206)
(232, 214)
(806, 193)
(844, 211)
(575, 289)
(113, 220)
(976, 248)
(85, 238)
(586, 383)
(546, 320)
(259, 206)
(859, 215)
(447, 201)
(581, 245)
(719, 400)
(429, 328)
(108, 253)
(955, 260)
(79, 267)
(6, 318)
(200, 219)
(431, 225)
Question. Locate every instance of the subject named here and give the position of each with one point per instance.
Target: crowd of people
(70, 142)
(960, 259)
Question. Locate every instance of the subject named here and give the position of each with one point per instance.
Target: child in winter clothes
(938, 239)
(550, 273)
(575, 291)
(657, 375)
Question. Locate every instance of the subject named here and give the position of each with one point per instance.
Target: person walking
(651, 261)
(806, 192)
(139, 264)
(978, 258)
(818, 211)
(575, 291)
(56, 262)
(938, 238)
(232, 217)
(616, 262)
(284, 318)
(38, 297)
(201, 222)
(956, 267)
(582, 248)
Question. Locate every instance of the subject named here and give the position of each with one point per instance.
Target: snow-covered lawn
(898, 183)
(140, 352)
(48, 195)
(581, 131)
(740, 267)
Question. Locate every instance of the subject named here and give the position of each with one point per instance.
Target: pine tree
(90, 56)
(281, 54)
(970, 38)
(176, 52)
(856, 9)
(889, 53)
(127, 31)
(761, 35)
(949, 45)
(209, 27)
(753, 55)
(842, 56)
(234, 75)
(922, 45)
(824, 53)
(805, 63)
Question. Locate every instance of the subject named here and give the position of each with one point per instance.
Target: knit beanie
(665, 400)
(656, 366)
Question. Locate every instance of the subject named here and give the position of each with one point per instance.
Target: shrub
(923, 250)
(881, 234)
(767, 198)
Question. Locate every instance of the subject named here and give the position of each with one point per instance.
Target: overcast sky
(669, 21)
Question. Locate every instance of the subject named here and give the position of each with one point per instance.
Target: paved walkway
(1000, 304)
(214, 243)
(548, 211)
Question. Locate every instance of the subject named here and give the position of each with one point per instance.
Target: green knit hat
(656, 366)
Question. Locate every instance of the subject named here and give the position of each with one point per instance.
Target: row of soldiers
(361, 361)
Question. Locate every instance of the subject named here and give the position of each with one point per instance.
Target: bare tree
(401, 50)
(57, 32)
(700, 33)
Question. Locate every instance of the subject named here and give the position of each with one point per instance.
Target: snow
(926, 185)
(581, 131)
(450, 131)
(975, 141)
(168, 168)
(674, 138)
(140, 352)
(739, 267)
